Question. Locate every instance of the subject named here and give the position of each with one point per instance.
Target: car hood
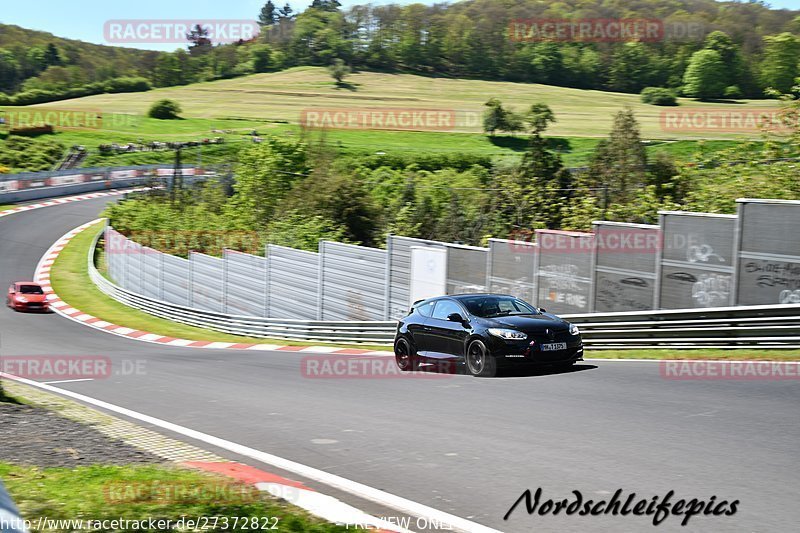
(34, 298)
(528, 323)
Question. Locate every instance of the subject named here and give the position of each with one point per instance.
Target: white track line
(351, 487)
(67, 381)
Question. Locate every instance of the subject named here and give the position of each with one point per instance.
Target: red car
(27, 296)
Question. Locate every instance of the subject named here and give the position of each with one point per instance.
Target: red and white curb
(42, 275)
(65, 200)
(296, 493)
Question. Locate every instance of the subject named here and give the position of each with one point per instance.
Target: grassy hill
(282, 96)
(273, 104)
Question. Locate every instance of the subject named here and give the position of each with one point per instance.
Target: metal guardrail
(762, 326)
(758, 326)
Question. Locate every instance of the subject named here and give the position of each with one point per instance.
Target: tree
(619, 163)
(9, 70)
(497, 118)
(494, 116)
(52, 57)
(634, 67)
(318, 37)
(164, 110)
(265, 174)
(303, 231)
(326, 5)
(262, 57)
(530, 195)
(539, 117)
(168, 71)
(706, 76)
(338, 70)
(268, 15)
(199, 40)
(286, 11)
(780, 66)
(721, 43)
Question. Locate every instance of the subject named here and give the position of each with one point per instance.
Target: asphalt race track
(462, 445)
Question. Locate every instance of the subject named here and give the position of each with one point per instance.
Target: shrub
(733, 92)
(164, 110)
(35, 96)
(658, 96)
(127, 85)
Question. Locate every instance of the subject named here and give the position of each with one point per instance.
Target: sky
(85, 19)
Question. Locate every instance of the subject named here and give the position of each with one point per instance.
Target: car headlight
(508, 334)
(22, 299)
(573, 330)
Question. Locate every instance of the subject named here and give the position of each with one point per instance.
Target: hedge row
(40, 96)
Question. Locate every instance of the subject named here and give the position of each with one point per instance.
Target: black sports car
(485, 332)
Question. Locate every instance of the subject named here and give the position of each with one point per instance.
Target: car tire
(479, 361)
(405, 356)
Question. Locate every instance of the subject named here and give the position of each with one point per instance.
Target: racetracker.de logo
(57, 118)
(181, 492)
(56, 367)
(173, 31)
(706, 120)
(366, 367)
(181, 242)
(605, 30)
(729, 370)
(380, 119)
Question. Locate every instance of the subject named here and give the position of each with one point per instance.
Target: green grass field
(273, 104)
(282, 96)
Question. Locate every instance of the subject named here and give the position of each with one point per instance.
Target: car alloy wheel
(479, 361)
(404, 356)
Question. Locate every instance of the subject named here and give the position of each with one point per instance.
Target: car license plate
(552, 347)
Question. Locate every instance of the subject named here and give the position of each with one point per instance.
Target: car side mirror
(455, 317)
(542, 310)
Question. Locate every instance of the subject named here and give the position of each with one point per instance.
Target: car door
(447, 337)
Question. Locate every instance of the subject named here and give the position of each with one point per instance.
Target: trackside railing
(762, 326)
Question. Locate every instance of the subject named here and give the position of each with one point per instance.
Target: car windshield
(495, 306)
(30, 289)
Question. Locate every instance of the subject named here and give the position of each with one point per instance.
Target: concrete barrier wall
(690, 260)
